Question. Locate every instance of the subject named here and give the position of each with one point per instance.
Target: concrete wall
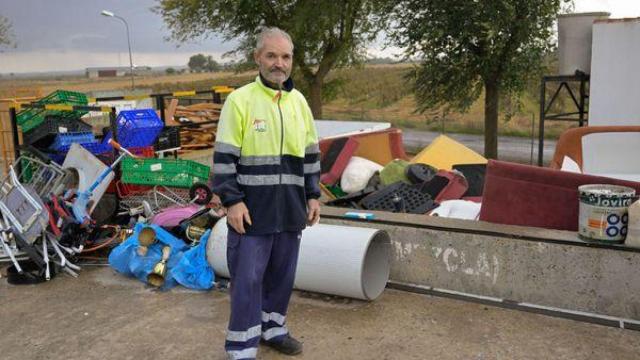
(526, 265)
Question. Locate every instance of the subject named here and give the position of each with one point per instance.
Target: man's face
(274, 59)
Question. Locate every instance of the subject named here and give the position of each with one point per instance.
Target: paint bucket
(603, 212)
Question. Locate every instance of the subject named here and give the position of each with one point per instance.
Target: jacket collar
(287, 87)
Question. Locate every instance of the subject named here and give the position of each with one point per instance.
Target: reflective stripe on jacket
(267, 155)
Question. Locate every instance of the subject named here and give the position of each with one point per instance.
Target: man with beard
(266, 171)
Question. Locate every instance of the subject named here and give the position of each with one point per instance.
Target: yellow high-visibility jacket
(267, 155)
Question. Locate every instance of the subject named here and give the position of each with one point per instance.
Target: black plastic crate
(399, 197)
(474, 173)
(169, 138)
(43, 135)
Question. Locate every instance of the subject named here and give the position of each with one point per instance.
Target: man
(266, 172)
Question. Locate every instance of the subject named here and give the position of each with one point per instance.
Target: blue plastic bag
(193, 270)
(125, 259)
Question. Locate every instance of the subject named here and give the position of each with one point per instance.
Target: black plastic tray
(399, 197)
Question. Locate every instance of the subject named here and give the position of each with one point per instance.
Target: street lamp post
(111, 14)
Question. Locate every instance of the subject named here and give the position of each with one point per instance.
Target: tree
(326, 33)
(170, 71)
(465, 46)
(6, 36)
(197, 63)
(212, 65)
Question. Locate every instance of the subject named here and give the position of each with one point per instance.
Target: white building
(114, 71)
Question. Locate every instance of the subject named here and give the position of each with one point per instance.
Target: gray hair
(271, 32)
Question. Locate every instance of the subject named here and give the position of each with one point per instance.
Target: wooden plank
(171, 109)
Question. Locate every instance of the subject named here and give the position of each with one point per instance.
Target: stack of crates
(43, 135)
(31, 118)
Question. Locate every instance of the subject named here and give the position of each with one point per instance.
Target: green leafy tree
(326, 33)
(197, 63)
(6, 35)
(212, 65)
(170, 71)
(467, 46)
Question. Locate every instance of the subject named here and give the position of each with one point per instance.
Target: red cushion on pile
(340, 162)
(527, 195)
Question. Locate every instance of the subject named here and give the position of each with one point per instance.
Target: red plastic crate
(142, 152)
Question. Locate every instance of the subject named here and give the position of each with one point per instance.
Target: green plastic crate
(64, 97)
(167, 172)
(31, 118)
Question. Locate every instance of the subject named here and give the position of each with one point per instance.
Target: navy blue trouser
(262, 269)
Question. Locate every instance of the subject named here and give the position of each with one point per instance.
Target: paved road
(510, 148)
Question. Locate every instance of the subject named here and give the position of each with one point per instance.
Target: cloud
(617, 8)
(79, 40)
(47, 60)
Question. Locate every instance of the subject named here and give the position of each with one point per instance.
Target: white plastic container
(603, 212)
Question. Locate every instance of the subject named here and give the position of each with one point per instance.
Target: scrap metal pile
(73, 195)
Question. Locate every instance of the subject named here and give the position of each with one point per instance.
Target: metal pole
(160, 106)
(533, 135)
(16, 139)
(112, 122)
(543, 101)
(129, 45)
(114, 135)
(581, 105)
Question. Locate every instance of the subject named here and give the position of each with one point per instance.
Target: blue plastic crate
(58, 157)
(137, 128)
(66, 139)
(95, 148)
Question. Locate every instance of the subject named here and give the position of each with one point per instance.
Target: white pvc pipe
(338, 260)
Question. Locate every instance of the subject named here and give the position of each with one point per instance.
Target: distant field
(10, 88)
(371, 93)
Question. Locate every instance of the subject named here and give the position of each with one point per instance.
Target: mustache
(277, 70)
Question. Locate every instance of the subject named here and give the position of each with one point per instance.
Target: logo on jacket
(259, 125)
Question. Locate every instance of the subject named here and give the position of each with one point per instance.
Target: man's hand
(237, 214)
(313, 212)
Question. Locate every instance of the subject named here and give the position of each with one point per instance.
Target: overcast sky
(72, 35)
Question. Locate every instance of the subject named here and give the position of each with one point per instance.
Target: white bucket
(603, 212)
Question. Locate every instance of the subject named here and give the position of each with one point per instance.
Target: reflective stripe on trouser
(262, 269)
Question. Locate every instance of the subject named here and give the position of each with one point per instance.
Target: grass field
(370, 93)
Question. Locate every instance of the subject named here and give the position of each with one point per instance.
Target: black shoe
(287, 345)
